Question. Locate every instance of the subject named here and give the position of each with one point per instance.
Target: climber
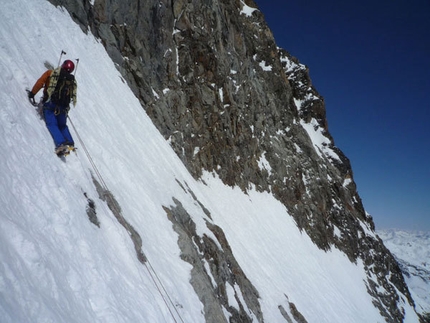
(60, 88)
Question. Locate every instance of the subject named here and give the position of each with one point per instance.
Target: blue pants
(56, 119)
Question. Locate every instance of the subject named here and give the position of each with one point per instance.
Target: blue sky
(370, 60)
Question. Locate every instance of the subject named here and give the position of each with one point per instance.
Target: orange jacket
(43, 81)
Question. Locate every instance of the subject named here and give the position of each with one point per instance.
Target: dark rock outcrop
(223, 271)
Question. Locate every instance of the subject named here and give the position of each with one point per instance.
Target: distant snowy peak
(412, 251)
(412, 247)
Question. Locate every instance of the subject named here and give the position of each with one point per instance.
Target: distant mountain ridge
(412, 251)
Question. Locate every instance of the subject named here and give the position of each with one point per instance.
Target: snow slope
(56, 266)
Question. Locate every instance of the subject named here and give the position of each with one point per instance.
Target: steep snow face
(56, 266)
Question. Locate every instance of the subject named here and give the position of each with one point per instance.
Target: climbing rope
(93, 165)
(151, 271)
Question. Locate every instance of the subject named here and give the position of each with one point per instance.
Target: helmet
(68, 65)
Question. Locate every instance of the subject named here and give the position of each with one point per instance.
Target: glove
(31, 98)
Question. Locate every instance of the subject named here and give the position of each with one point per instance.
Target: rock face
(209, 74)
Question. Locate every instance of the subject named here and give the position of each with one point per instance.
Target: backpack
(62, 88)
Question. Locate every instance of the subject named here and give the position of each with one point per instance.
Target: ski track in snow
(55, 266)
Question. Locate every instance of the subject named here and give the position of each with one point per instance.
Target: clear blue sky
(370, 60)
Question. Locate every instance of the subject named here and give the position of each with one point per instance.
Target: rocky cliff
(229, 101)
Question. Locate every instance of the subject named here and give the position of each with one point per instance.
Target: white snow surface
(247, 10)
(56, 266)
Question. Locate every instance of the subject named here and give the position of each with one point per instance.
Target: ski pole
(59, 61)
(77, 63)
